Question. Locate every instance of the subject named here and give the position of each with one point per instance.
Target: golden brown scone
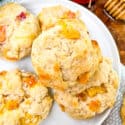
(122, 112)
(49, 16)
(23, 99)
(18, 29)
(92, 100)
(64, 54)
(99, 77)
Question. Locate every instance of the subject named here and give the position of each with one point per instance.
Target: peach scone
(49, 16)
(100, 76)
(23, 99)
(18, 29)
(92, 100)
(64, 53)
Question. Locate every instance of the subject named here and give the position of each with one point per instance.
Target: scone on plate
(17, 31)
(100, 76)
(122, 112)
(92, 100)
(23, 99)
(49, 16)
(64, 54)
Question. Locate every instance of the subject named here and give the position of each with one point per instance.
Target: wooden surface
(117, 28)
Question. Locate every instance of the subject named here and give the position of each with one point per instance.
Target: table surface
(116, 28)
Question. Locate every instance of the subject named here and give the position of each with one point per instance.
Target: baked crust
(23, 99)
(63, 53)
(92, 100)
(17, 31)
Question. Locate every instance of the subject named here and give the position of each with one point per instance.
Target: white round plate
(97, 31)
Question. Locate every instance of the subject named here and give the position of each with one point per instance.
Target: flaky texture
(23, 99)
(93, 100)
(49, 16)
(64, 53)
(100, 76)
(122, 111)
(18, 29)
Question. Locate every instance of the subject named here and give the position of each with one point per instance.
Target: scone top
(64, 53)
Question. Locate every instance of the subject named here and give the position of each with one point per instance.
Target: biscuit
(122, 111)
(17, 31)
(100, 76)
(49, 16)
(23, 99)
(64, 53)
(91, 101)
